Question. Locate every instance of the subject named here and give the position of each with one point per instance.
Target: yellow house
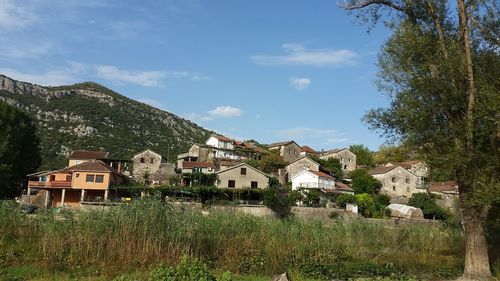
(85, 182)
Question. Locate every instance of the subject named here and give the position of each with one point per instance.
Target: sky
(265, 70)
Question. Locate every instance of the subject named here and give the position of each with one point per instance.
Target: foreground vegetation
(146, 234)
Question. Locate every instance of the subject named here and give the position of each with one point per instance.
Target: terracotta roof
(88, 155)
(223, 138)
(194, 164)
(92, 166)
(381, 170)
(407, 164)
(321, 174)
(446, 186)
(307, 149)
(280, 143)
(343, 186)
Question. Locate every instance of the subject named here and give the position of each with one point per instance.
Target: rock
(281, 277)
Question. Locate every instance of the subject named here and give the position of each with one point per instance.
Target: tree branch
(363, 4)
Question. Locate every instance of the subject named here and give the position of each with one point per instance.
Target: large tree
(363, 155)
(441, 71)
(19, 153)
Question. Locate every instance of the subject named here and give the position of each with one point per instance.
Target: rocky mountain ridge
(90, 116)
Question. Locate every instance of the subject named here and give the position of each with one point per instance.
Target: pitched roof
(302, 157)
(91, 166)
(445, 186)
(240, 165)
(307, 149)
(381, 170)
(333, 150)
(343, 186)
(222, 138)
(88, 155)
(195, 164)
(282, 143)
(408, 163)
(151, 151)
(321, 174)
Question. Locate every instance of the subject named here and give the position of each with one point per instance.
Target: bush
(429, 207)
(187, 270)
(343, 199)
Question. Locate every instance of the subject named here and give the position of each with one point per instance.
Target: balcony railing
(38, 184)
(60, 184)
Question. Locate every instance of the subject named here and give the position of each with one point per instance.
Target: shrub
(429, 207)
(343, 199)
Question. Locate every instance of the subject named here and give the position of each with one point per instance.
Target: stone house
(151, 168)
(81, 156)
(417, 167)
(197, 152)
(299, 165)
(242, 176)
(224, 147)
(307, 151)
(289, 150)
(397, 182)
(189, 167)
(447, 192)
(345, 156)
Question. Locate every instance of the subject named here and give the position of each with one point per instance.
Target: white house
(224, 147)
(312, 179)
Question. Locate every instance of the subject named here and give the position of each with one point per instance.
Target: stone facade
(288, 150)
(242, 176)
(150, 167)
(397, 182)
(345, 156)
(299, 165)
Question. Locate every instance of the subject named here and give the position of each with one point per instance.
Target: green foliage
(200, 179)
(312, 198)
(393, 154)
(372, 205)
(19, 153)
(150, 232)
(331, 164)
(252, 162)
(429, 207)
(272, 162)
(493, 234)
(363, 155)
(343, 199)
(188, 269)
(124, 126)
(363, 182)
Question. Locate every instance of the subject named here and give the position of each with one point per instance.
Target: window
(142, 160)
(99, 178)
(393, 188)
(349, 159)
(407, 180)
(393, 179)
(77, 175)
(152, 160)
(243, 171)
(254, 184)
(408, 189)
(90, 178)
(345, 167)
(231, 183)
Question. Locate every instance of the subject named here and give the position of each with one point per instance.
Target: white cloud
(14, 14)
(28, 49)
(300, 83)
(56, 77)
(225, 111)
(296, 54)
(306, 136)
(143, 78)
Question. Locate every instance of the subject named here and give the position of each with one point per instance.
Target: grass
(133, 238)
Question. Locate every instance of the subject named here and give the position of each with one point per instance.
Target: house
(447, 193)
(150, 167)
(197, 152)
(242, 176)
(307, 151)
(397, 182)
(224, 147)
(417, 167)
(299, 165)
(345, 156)
(289, 150)
(189, 167)
(85, 182)
(307, 179)
(80, 156)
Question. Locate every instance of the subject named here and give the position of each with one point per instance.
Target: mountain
(90, 116)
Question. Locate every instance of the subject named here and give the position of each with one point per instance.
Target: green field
(131, 241)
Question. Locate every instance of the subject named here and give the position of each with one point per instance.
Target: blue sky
(267, 70)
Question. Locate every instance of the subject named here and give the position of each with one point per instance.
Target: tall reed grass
(150, 232)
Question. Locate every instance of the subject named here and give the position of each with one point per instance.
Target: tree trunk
(477, 266)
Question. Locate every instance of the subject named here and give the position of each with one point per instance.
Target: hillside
(90, 116)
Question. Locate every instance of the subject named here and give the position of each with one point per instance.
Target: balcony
(36, 184)
(60, 184)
